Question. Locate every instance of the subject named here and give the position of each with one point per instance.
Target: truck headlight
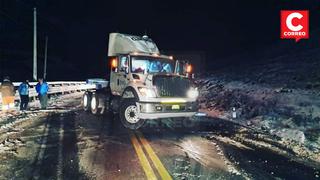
(147, 92)
(193, 93)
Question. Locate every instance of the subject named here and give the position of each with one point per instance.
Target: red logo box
(294, 24)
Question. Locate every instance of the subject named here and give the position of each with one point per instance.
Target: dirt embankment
(280, 96)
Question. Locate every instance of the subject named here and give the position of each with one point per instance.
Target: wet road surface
(78, 145)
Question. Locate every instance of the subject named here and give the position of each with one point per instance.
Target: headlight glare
(193, 93)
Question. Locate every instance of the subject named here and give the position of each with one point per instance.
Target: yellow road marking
(156, 161)
(142, 158)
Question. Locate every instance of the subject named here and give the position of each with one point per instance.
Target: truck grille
(171, 86)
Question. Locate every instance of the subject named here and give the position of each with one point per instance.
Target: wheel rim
(93, 103)
(131, 114)
(85, 101)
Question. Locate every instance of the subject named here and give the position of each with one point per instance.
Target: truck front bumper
(156, 110)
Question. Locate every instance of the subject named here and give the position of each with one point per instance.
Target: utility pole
(35, 44)
(45, 59)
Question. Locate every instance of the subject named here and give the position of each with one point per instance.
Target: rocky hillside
(280, 95)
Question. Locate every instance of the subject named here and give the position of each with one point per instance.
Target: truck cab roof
(126, 44)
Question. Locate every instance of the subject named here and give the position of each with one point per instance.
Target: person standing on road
(7, 93)
(42, 89)
(24, 95)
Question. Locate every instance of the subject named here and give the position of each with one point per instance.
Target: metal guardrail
(56, 87)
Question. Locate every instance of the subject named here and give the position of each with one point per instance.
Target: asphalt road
(78, 145)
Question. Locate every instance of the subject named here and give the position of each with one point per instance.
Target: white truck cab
(144, 84)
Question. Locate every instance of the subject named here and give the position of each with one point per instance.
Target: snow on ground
(280, 96)
(55, 102)
(10, 121)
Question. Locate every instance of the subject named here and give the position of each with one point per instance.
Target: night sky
(78, 31)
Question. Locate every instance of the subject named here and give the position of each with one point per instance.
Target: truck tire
(94, 104)
(129, 114)
(86, 99)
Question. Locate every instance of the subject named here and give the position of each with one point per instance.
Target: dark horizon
(78, 32)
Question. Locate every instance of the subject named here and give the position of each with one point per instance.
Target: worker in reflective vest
(24, 95)
(7, 93)
(42, 89)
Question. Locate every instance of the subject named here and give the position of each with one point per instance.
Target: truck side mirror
(187, 70)
(114, 64)
(114, 69)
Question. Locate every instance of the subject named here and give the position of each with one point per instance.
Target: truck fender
(130, 92)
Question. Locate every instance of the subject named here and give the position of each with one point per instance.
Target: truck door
(114, 62)
(123, 77)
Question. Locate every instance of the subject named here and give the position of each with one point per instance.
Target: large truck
(143, 84)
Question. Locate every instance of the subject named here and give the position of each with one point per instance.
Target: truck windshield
(151, 65)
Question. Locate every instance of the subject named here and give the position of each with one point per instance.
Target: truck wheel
(86, 99)
(129, 114)
(94, 104)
